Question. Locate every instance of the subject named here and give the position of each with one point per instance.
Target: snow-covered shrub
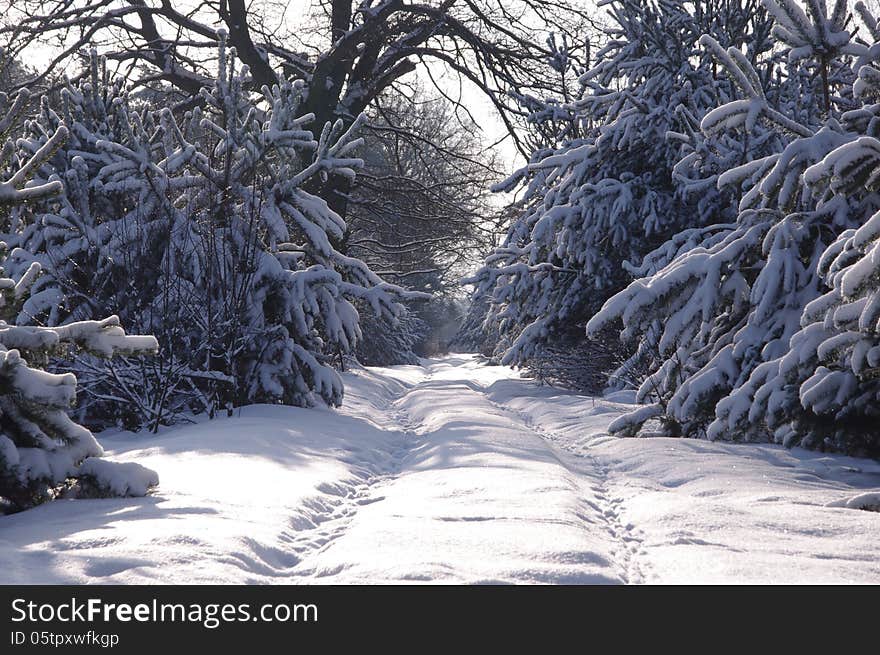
(595, 206)
(722, 310)
(43, 451)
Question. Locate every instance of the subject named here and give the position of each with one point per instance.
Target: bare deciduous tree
(363, 47)
(420, 212)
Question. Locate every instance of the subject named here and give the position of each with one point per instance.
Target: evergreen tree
(42, 451)
(202, 229)
(823, 391)
(76, 236)
(594, 207)
(723, 301)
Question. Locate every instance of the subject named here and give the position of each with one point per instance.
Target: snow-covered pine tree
(300, 310)
(612, 195)
(72, 236)
(476, 334)
(263, 303)
(719, 301)
(389, 342)
(42, 451)
(97, 244)
(824, 391)
(203, 230)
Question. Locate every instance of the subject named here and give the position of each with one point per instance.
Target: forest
(219, 210)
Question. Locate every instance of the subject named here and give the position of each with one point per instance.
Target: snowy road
(454, 472)
(475, 494)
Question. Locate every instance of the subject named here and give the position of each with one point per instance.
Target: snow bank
(708, 512)
(238, 500)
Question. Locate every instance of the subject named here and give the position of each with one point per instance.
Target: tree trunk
(324, 93)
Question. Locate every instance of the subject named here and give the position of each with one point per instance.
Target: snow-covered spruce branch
(42, 451)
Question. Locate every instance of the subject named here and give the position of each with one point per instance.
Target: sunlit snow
(455, 472)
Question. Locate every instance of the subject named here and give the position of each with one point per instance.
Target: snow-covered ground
(455, 472)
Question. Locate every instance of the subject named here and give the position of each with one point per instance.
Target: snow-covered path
(475, 495)
(453, 472)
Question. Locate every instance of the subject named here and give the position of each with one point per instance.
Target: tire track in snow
(629, 539)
